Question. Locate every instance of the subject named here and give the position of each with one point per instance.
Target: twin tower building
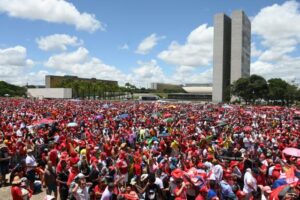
(232, 48)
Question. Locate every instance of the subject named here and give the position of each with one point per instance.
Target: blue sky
(139, 41)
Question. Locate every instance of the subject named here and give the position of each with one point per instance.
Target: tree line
(7, 89)
(95, 89)
(256, 88)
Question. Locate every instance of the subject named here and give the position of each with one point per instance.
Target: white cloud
(254, 51)
(197, 51)
(124, 47)
(188, 74)
(56, 11)
(14, 56)
(278, 26)
(278, 29)
(148, 43)
(57, 42)
(14, 64)
(287, 69)
(80, 63)
(148, 72)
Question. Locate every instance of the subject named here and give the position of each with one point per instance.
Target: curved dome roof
(198, 89)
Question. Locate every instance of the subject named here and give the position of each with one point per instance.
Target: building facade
(221, 56)
(50, 93)
(240, 45)
(166, 87)
(55, 81)
(232, 50)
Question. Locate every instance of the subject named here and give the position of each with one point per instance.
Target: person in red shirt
(16, 191)
(180, 190)
(99, 189)
(202, 193)
(53, 155)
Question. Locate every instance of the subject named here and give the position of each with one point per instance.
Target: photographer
(80, 188)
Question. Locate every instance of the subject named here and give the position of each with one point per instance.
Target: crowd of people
(91, 150)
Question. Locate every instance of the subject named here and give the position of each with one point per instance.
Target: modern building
(55, 81)
(221, 56)
(232, 49)
(194, 92)
(240, 45)
(49, 93)
(166, 87)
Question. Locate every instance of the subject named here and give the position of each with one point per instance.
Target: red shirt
(138, 169)
(16, 193)
(182, 196)
(53, 156)
(123, 167)
(99, 190)
(200, 197)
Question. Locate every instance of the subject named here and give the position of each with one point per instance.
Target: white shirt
(82, 193)
(248, 178)
(159, 182)
(30, 161)
(106, 195)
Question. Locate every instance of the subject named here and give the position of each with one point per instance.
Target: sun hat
(16, 180)
(49, 197)
(2, 146)
(80, 176)
(133, 181)
(144, 177)
(29, 151)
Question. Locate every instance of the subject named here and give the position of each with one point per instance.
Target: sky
(139, 41)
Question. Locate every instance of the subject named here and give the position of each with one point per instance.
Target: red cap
(277, 167)
(74, 161)
(240, 194)
(177, 173)
(234, 163)
(200, 165)
(209, 157)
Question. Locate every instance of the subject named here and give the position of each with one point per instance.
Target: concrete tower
(232, 48)
(221, 57)
(240, 45)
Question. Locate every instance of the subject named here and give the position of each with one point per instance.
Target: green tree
(291, 94)
(241, 88)
(297, 95)
(259, 87)
(11, 90)
(277, 89)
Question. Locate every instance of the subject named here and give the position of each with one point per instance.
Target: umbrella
(236, 129)
(44, 121)
(157, 114)
(150, 140)
(163, 134)
(292, 152)
(99, 117)
(167, 115)
(170, 119)
(171, 106)
(227, 106)
(208, 119)
(247, 128)
(72, 124)
(123, 116)
(105, 106)
(282, 191)
(222, 123)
